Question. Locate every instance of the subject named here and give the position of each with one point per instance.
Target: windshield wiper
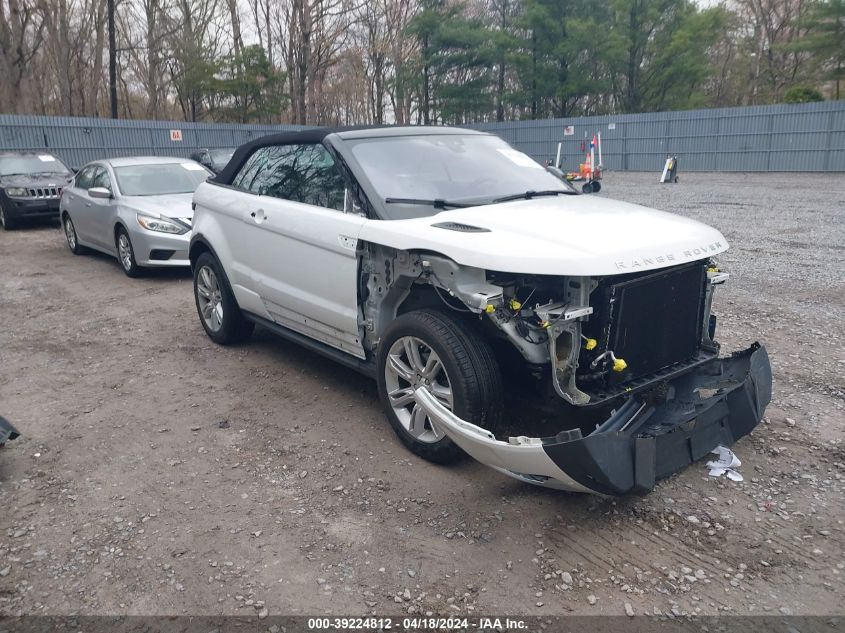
(527, 195)
(437, 203)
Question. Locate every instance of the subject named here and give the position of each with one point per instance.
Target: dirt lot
(160, 474)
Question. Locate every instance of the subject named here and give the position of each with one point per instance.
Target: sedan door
(302, 255)
(102, 211)
(74, 200)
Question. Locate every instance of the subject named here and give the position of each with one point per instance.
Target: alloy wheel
(124, 251)
(70, 233)
(210, 298)
(413, 364)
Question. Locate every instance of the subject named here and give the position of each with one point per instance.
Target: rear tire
(467, 379)
(126, 253)
(71, 236)
(6, 222)
(219, 313)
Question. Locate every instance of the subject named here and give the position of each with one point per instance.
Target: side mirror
(99, 192)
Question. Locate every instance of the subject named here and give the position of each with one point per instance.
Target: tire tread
(478, 373)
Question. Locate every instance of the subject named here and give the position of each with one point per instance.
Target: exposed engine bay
(603, 337)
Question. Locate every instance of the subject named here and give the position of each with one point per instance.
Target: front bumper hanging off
(645, 438)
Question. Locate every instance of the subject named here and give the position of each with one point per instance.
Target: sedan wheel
(70, 235)
(413, 364)
(126, 254)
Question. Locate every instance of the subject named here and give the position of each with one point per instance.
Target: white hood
(563, 235)
(173, 206)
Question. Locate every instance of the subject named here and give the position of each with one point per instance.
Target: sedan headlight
(17, 192)
(162, 225)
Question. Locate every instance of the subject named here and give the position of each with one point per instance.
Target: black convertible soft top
(313, 135)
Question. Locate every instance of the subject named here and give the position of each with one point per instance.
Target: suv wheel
(217, 308)
(432, 349)
(126, 254)
(5, 221)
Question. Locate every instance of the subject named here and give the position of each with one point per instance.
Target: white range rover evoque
(458, 272)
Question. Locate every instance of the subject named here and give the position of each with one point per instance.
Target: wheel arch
(118, 225)
(394, 282)
(198, 246)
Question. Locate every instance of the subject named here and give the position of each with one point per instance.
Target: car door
(302, 256)
(102, 211)
(76, 202)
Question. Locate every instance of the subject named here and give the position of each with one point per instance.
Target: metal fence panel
(803, 138)
(81, 140)
(784, 137)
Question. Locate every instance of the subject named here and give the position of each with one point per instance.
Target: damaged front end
(649, 436)
(630, 361)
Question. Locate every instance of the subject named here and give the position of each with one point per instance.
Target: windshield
(471, 168)
(159, 180)
(32, 164)
(220, 156)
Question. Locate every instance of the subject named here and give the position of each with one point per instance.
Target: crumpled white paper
(727, 464)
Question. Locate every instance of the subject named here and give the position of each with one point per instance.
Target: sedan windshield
(32, 164)
(448, 171)
(159, 180)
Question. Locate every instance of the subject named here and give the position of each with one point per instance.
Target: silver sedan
(136, 209)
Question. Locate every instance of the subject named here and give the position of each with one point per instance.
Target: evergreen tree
(252, 89)
(456, 56)
(825, 39)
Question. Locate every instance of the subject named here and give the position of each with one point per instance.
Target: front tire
(434, 350)
(219, 313)
(126, 254)
(6, 222)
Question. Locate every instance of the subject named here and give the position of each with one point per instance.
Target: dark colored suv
(31, 184)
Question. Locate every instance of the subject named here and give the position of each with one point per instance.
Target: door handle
(258, 216)
(87, 204)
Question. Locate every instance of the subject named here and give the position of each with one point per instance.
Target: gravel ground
(160, 474)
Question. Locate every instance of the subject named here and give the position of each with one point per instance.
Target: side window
(301, 173)
(101, 178)
(84, 177)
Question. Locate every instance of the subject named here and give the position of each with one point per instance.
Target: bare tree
(21, 30)
(311, 33)
(770, 26)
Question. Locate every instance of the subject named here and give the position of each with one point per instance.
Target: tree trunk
(112, 62)
(426, 109)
